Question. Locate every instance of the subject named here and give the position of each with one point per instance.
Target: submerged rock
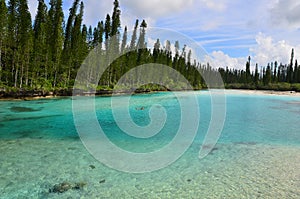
(79, 185)
(19, 109)
(61, 188)
(140, 108)
(212, 149)
(66, 186)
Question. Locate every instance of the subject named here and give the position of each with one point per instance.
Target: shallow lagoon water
(257, 155)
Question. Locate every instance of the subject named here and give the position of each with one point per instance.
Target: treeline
(274, 76)
(46, 53)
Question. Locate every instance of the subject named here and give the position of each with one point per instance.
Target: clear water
(257, 155)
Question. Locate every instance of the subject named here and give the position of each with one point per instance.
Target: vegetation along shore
(41, 56)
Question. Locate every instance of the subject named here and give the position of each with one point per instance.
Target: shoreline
(106, 93)
(263, 92)
(37, 95)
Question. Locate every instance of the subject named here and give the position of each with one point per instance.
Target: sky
(229, 30)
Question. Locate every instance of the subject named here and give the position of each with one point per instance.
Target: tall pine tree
(3, 34)
(24, 41)
(77, 44)
(55, 38)
(12, 44)
(67, 53)
(39, 68)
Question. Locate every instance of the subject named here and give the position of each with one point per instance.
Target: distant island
(42, 57)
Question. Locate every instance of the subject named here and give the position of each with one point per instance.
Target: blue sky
(229, 30)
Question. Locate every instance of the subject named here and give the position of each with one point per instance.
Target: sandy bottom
(30, 167)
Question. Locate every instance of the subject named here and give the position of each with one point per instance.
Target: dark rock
(213, 149)
(61, 188)
(79, 185)
(66, 186)
(246, 143)
(18, 109)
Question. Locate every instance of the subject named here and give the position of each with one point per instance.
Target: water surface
(257, 155)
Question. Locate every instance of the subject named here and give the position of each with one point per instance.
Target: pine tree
(248, 72)
(156, 51)
(55, 37)
(3, 33)
(176, 57)
(90, 36)
(268, 75)
(124, 60)
(124, 40)
(116, 22)
(134, 36)
(24, 41)
(70, 24)
(67, 53)
(39, 68)
(77, 44)
(115, 40)
(275, 78)
(12, 41)
(141, 45)
(290, 68)
(296, 71)
(142, 41)
(256, 75)
(107, 30)
(101, 33)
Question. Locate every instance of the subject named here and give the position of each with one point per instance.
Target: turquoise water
(257, 155)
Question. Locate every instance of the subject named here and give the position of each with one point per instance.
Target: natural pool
(257, 155)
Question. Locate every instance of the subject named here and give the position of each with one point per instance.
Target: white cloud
(267, 50)
(215, 5)
(286, 13)
(219, 59)
(156, 8)
(96, 10)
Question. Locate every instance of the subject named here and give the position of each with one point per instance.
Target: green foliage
(47, 55)
(3, 35)
(116, 21)
(296, 87)
(40, 66)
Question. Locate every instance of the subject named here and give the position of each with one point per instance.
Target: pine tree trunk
(21, 75)
(16, 77)
(0, 61)
(55, 76)
(27, 71)
(46, 67)
(6, 76)
(69, 76)
(13, 67)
